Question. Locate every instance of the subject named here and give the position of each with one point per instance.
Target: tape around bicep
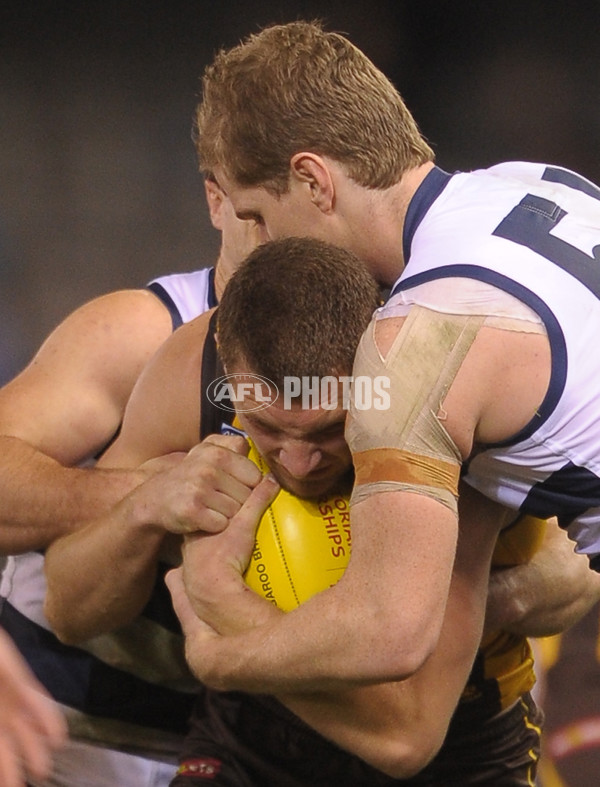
(407, 447)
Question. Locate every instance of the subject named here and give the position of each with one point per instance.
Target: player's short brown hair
(293, 88)
(296, 307)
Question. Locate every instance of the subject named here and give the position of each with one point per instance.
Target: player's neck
(379, 223)
(223, 271)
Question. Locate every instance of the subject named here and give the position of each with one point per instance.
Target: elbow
(400, 654)
(65, 629)
(66, 637)
(406, 757)
(397, 639)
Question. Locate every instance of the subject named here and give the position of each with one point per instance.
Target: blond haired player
(294, 325)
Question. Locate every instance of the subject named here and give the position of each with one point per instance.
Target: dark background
(99, 181)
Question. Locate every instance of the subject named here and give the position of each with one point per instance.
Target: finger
(10, 769)
(240, 467)
(241, 532)
(234, 491)
(233, 442)
(32, 748)
(190, 622)
(213, 497)
(203, 503)
(210, 513)
(24, 691)
(48, 718)
(181, 604)
(213, 509)
(216, 461)
(258, 501)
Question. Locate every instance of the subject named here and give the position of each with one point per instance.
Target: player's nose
(299, 459)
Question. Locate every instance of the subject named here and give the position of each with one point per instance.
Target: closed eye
(248, 215)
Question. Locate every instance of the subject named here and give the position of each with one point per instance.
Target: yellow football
(302, 546)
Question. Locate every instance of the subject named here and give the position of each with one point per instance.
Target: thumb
(261, 497)
(181, 602)
(255, 505)
(241, 532)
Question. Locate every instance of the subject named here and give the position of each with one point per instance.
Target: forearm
(545, 596)
(396, 727)
(546, 608)
(369, 628)
(41, 500)
(387, 725)
(375, 723)
(100, 577)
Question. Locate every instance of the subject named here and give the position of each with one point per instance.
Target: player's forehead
(296, 421)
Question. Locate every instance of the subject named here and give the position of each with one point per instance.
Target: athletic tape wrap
(406, 448)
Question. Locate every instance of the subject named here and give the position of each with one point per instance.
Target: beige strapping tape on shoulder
(407, 447)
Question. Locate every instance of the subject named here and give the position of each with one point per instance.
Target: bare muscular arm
(100, 576)
(546, 595)
(396, 726)
(66, 406)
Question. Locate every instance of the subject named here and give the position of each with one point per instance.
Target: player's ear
(312, 169)
(214, 199)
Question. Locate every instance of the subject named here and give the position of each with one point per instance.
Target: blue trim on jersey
(430, 189)
(571, 179)
(558, 373)
(164, 296)
(530, 224)
(566, 494)
(211, 299)
(81, 681)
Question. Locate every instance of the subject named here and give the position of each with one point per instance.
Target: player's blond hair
(293, 88)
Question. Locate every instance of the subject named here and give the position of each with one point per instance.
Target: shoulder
(163, 412)
(123, 310)
(186, 295)
(176, 365)
(186, 345)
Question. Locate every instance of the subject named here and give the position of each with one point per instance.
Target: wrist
(228, 605)
(138, 514)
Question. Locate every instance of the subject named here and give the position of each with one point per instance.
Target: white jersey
(532, 231)
(130, 690)
(186, 295)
